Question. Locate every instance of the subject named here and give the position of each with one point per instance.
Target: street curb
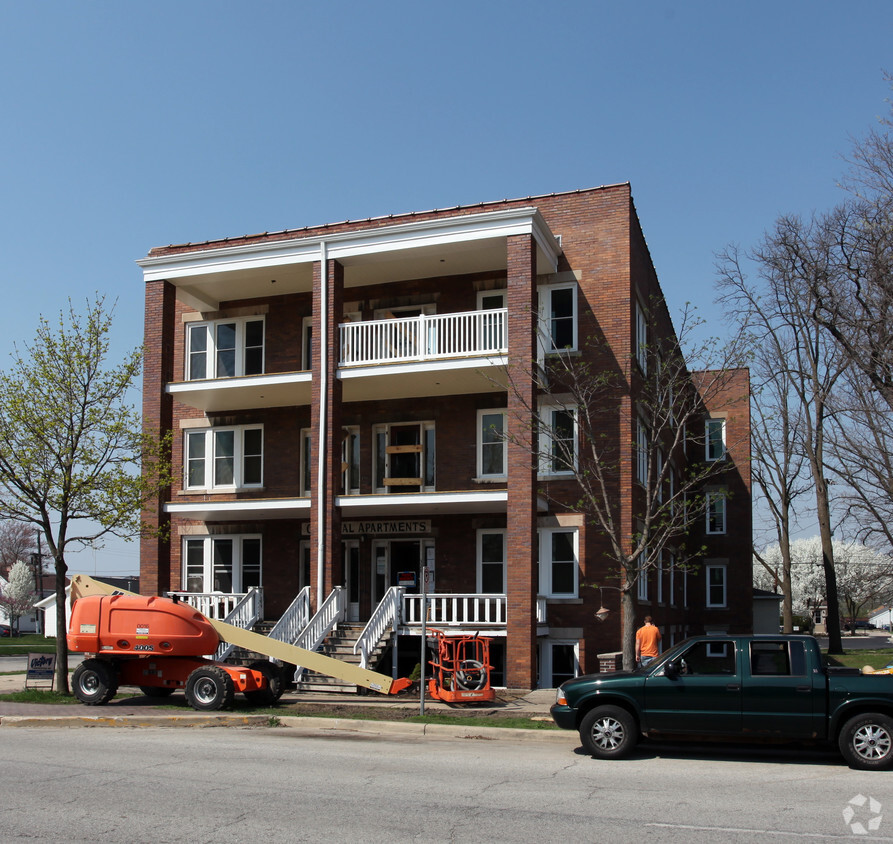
(301, 724)
(194, 721)
(369, 727)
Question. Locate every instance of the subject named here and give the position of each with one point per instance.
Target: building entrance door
(398, 562)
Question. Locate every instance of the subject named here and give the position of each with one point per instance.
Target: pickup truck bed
(749, 688)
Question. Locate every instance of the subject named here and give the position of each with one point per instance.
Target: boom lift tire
(273, 689)
(866, 741)
(95, 682)
(210, 688)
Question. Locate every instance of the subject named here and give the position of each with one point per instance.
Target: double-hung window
(716, 585)
(229, 564)
(559, 562)
(643, 445)
(716, 512)
(557, 440)
(491, 562)
(224, 348)
(558, 316)
(492, 451)
(350, 460)
(641, 338)
(715, 436)
(224, 458)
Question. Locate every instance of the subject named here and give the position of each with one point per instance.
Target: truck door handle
(804, 689)
(733, 687)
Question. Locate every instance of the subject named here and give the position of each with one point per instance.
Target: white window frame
(547, 661)
(641, 338)
(659, 576)
(208, 543)
(545, 318)
(480, 559)
(711, 455)
(350, 470)
(546, 562)
(426, 428)
(210, 353)
(642, 583)
(708, 585)
(716, 511)
(643, 444)
(501, 292)
(306, 461)
(209, 459)
(545, 440)
(502, 442)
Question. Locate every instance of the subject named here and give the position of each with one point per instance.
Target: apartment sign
(381, 527)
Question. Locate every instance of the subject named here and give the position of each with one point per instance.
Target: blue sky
(127, 125)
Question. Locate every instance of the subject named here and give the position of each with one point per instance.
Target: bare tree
(854, 301)
(71, 446)
(779, 315)
(658, 406)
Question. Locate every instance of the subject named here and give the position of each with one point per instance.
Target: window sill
(487, 479)
(230, 490)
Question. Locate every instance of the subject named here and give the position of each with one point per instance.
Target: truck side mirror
(671, 669)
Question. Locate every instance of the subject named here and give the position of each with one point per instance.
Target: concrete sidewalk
(141, 711)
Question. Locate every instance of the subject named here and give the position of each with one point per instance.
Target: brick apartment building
(343, 426)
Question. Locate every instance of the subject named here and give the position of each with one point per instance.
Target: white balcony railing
(425, 337)
(455, 610)
(216, 605)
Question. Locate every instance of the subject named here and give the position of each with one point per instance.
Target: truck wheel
(273, 689)
(210, 688)
(866, 742)
(157, 691)
(94, 682)
(608, 732)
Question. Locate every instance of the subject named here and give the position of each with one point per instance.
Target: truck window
(709, 658)
(777, 659)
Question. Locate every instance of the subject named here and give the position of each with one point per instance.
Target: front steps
(339, 645)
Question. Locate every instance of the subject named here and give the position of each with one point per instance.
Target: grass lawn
(27, 643)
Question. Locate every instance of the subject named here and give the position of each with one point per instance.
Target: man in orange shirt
(647, 641)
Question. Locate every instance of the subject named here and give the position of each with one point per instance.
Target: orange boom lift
(461, 669)
(162, 645)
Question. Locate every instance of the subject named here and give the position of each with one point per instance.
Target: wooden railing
(387, 614)
(327, 616)
(455, 610)
(425, 337)
(294, 619)
(216, 605)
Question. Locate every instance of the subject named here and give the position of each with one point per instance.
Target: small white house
(882, 618)
(47, 607)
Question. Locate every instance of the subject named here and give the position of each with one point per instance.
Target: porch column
(325, 527)
(521, 535)
(158, 366)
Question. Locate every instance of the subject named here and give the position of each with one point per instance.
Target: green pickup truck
(774, 688)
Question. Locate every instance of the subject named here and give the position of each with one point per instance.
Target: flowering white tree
(17, 598)
(864, 576)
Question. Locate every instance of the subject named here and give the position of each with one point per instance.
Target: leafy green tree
(71, 446)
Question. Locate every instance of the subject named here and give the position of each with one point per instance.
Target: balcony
(244, 392)
(426, 355)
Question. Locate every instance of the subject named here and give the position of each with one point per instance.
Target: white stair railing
(293, 620)
(455, 610)
(245, 615)
(387, 614)
(332, 611)
(424, 337)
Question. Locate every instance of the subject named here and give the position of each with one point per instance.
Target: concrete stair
(339, 645)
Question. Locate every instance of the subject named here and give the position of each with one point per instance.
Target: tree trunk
(61, 628)
(628, 635)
